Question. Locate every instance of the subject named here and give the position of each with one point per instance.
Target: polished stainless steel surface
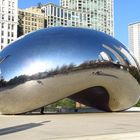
(50, 64)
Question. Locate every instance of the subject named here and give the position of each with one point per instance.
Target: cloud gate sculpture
(84, 65)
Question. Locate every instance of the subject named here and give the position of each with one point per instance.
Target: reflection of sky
(47, 49)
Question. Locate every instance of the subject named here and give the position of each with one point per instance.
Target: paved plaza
(78, 126)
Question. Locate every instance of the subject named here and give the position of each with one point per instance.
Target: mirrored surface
(61, 51)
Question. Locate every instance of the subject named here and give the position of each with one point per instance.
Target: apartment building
(8, 21)
(30, 19)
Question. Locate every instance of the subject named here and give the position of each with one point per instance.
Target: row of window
(29, 14)
(32, 23)
(103, 22)
(31, 29)
(10, 3)
(58, 12)
(10, 26)
(8, 41)
(10, 34)
(34, 19)
(10, 11)
(85, 3)
(10, 18)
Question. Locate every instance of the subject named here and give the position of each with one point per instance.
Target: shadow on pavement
(59, 113)
(18, 128)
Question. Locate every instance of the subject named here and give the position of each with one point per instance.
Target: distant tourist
(42, 110)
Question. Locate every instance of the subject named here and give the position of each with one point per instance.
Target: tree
(64, 103)
(138, 104)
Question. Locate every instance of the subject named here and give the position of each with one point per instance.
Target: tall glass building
(93, 14)
(134, 39)
(60, 16)
(100, 12)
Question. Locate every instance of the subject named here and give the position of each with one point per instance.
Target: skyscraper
(100, 12)
(60, 16)
(8, 21)
(92, 14)
(134, 39)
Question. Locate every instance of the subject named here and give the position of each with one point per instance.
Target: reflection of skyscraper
(134, 39)
(8, 22)
(99, 13)
(105, 56)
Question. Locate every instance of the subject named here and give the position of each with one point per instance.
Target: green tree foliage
(138, 104)
(65, 103)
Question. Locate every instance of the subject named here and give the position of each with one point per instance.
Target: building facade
(60, 16)
(134, 39)
(8, 21)
(30, 19)
(100, 13)
(93, 14)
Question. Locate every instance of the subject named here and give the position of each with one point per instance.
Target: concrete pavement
(83, 126)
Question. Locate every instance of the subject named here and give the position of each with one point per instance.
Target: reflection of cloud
(37, 66)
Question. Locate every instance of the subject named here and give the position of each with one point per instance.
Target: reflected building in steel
(87, 66)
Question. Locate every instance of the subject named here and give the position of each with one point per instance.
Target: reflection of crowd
(65, 69)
